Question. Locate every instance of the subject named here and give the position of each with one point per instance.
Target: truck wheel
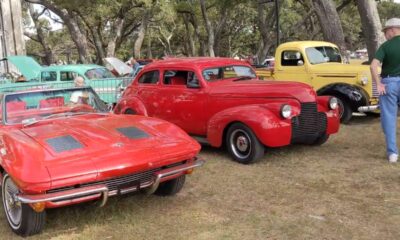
(321, 139)
(345, 111)
(22, 219)
(243, 144)
(171, 187)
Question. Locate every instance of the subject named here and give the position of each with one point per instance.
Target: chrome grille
(374, 89)
(114, 183)
(309, 124)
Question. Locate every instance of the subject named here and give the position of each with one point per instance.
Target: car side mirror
(300, 63)
(193, 84)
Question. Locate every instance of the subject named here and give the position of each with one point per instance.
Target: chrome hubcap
(240, 143)
(12, 207)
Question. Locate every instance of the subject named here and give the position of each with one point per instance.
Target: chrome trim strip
(73, 193)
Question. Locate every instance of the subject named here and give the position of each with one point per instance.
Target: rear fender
(355, 96)
(132, 103)
(271, 129)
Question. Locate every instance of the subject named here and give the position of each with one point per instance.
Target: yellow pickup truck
(320, 65)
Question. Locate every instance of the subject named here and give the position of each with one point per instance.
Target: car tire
(321, 139)
(243, 144)
(171, 187)
(345, 111)
(22, 219)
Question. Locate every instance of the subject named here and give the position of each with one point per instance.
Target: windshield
(317, 55)
(98, 73)
(28, 107)
(225, 72)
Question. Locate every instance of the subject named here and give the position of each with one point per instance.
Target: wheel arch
(354, 95)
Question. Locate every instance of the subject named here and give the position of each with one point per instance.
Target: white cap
(393, 22)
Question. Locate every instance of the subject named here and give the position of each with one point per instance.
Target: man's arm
(375, 65)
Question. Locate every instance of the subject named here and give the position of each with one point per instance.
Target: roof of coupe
(200, 62)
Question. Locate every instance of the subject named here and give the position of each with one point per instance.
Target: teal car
(59, 76)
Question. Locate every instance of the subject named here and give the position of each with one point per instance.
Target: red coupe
(220, 101)
(62, 147)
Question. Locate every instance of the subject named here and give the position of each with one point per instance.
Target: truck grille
(114, 183)
(309, 124)
(375, 93)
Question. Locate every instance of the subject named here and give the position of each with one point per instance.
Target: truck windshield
(323, 54)
(225, 72)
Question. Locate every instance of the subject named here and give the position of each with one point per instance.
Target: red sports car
(62, 147)
(220, 101)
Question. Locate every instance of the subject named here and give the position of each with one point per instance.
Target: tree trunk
(115, 35)
(191, 44)
(330, 22)
(142, 32)
(264, 25)
(209, 28)
(371, 26)
(70, 21)
(49, 55)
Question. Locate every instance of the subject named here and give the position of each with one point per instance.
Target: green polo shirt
(389, 55)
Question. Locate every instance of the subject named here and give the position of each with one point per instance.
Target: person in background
(78, 97)
(388, 84)
(134, 64)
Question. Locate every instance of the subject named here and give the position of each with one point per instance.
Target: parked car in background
(98, 77)
(117, 67)
(220, 101)
(320, 65)
(54, 153)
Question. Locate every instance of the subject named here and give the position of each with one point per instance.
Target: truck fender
(355, 96)
(269, 127)
(131, 103)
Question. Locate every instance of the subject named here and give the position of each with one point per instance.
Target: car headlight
(286, 111)
(333, 103)
(364, 80)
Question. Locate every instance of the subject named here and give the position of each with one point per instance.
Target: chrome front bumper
(102, 191)
(370, 108)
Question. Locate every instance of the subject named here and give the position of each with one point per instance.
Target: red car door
(148, 90)
(182, 100)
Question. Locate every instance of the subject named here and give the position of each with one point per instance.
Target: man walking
(388, 84)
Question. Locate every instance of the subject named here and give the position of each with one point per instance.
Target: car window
(68, 76)
(178, 78)
(151, 77)
(98, 73)
(49, 76)
(225, 72)
(292, 58)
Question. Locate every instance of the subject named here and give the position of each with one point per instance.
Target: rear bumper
(82, 194)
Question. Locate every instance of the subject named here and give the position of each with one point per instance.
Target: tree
(371, 26)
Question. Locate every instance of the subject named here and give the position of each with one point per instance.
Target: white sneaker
(393, 158)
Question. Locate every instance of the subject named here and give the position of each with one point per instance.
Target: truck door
(292, 67)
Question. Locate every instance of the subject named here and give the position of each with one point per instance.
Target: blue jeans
(389, 104)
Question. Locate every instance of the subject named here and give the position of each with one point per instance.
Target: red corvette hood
(88, 148)
(263, 89)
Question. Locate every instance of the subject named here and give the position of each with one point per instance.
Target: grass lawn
(343, 189)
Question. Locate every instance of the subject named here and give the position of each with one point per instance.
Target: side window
(67, 76)
(151, 77)
(49, 76)
(176, 78)
(292, 58)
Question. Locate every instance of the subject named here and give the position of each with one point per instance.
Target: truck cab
(320, 65)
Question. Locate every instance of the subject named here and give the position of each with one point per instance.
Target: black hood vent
(64, 143)
(133, 132)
